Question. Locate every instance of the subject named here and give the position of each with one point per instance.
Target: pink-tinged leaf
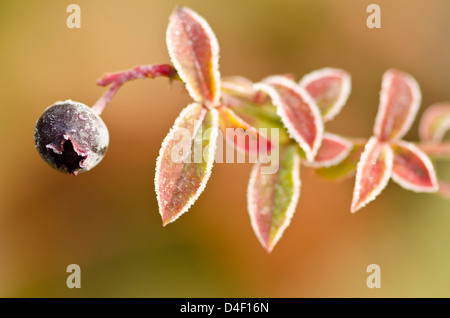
(237, 91)
(346, 168)
(272, 198)
(298, 112)
(412, 168)
(444, 189)
(239, 133)
(333, 150)
(185, 160)
(435, 122)
(330, 88)
(238, 86)
(194, 52)
(400, 99)
(372, 173)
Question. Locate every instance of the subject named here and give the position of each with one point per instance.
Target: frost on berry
(194, 52)
(330, 88)
(298, 112)
(272, 198)
(180, 181)
(70, 137)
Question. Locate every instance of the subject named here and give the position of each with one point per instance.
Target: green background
(107, 220)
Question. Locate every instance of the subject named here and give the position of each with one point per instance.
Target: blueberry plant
(72, 138)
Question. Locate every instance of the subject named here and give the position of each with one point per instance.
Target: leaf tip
(269, 248)
(372, 173)
(165, 220)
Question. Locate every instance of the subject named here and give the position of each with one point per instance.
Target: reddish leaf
(272, 198)
(435, 122)
(372, 174)
(185, 160)
(194, 52)
(330, 88)
(333, 150)
(297, 110)
(399, 102)
(239, 133)
(412, 168)
(346, 168)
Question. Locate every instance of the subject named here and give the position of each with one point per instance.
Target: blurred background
(107, 220)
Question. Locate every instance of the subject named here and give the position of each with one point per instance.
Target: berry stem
(117, 79)
(139, 71)
(100, 105)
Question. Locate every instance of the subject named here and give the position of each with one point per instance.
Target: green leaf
(272, 197)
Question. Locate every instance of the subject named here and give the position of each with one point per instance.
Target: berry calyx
(71, 137)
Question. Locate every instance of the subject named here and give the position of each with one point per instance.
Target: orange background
(107, 220)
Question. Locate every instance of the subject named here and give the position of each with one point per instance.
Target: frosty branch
(300, 110)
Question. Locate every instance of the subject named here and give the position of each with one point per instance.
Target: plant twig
(119, 78)
(434, 149)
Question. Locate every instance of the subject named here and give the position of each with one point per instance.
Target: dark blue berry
(71, 137)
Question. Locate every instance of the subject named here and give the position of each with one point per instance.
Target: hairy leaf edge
(290, 210)
(209, 165)
(345, 91)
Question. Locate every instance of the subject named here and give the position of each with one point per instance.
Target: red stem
(119, 78)
(100, 105)
(435, 149)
